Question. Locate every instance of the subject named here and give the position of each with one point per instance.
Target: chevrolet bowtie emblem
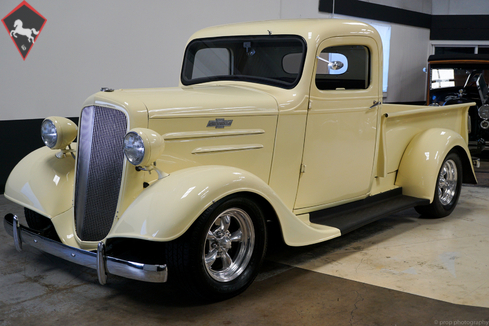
(219, 123)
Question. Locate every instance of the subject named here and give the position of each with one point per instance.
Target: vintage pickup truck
(275, 125)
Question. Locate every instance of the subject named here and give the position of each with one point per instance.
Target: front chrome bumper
(96, 260)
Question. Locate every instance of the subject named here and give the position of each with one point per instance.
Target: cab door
(342, 123)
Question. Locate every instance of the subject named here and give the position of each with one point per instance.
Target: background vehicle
(462, 78)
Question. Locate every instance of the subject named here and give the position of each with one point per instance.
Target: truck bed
(400, 123)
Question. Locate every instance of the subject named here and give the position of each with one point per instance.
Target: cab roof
(312, 30)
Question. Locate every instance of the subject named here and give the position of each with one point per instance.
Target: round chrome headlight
(143, 146)
(134, 148)
(49, 134)
(484, 111)
(58, 132)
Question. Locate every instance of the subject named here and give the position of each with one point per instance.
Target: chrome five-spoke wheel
(220, 254)
(447, 182)
(229, 245)
(447, 190)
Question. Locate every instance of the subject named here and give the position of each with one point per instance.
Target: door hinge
(303, 168)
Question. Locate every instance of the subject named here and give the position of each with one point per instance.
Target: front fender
(166, 209)
(42, 182)
(423, 158)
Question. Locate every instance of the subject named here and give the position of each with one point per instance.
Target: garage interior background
(86, 45)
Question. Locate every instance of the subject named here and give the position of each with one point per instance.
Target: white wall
(125, 44)
(409, 55)
(89, 44)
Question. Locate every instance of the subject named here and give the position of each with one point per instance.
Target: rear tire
(220, 254)
(447, 191)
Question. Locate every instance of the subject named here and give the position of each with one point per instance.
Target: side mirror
(333, 65)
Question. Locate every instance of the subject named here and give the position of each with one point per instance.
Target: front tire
(447, 191)
(220, 255)
(35, 220)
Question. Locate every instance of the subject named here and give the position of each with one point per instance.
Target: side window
(212, 62)
(343, 67)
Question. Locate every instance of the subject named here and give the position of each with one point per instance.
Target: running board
(354, 215)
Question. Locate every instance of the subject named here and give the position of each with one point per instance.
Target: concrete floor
(401, 270)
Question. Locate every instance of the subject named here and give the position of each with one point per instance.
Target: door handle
(376, 103)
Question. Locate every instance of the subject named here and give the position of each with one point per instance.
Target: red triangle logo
(24, 25)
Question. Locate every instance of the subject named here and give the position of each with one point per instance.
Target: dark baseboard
(375, 11)
(460, 27)
(442, 27)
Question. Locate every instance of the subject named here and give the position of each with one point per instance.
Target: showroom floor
(401, 270)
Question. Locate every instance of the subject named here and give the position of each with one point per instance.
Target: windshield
(272, 60)
(454, 77)
(455, 83)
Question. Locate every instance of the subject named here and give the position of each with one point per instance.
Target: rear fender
(42, 182)
(423, 158)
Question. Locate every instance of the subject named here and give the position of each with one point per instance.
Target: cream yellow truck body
(296, 152)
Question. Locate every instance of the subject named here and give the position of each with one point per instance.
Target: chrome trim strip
(115, 266)
(85, 134)
(211, 134)
(225, 148)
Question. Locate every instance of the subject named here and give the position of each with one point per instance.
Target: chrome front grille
(99, 171)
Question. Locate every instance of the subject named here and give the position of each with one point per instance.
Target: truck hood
(177, 102)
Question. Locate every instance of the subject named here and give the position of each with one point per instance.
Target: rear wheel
(220, 255)
(447, 191)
